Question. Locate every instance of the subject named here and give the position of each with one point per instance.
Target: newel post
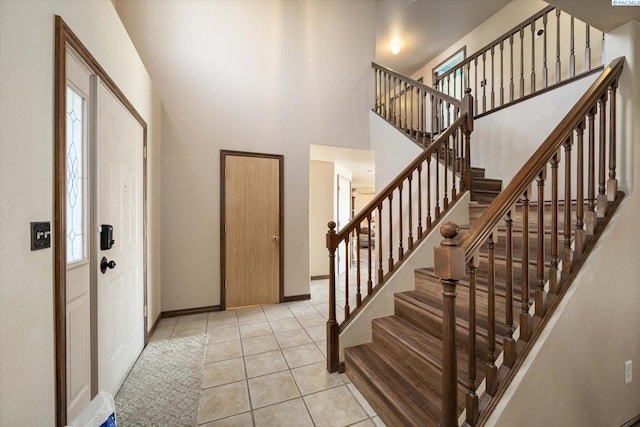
(448, 261)
(467, 128)
(332, 324)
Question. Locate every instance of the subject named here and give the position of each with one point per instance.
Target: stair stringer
(358, 331)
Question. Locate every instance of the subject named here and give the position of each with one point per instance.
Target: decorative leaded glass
(75, 177)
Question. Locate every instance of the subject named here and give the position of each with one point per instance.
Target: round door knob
(104, 264)
(275, 238)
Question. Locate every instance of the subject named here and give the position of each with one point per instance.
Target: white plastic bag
(100, 412)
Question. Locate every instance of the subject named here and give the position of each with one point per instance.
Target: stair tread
(381, 379)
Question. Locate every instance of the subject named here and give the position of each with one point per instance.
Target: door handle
(104, 264)
(275, 238)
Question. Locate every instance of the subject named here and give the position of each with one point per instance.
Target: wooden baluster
(558, 65)
(428, 220)
(540, 295)
(545, 71)
(484, 82)
(511, 86)
(567, 257)
(491, 369)
(379, 244)
(525, 318)
(437, 188)
(387, 97)
(580, 233)
(493, 95)
(533, 57)
(454, 163)
(395, 100)
(587, 49)
(347, 311)
(509, 344)
(434, 120)
(454, 82)
(590, 216)
(572, 56)
(475, 89)
(449, 267)
(411, 127)
(424, 118)
(555, 259)
(448, 91)
(369, 256)
(501, 72)
(420, 201)
(332, 324)
(400, 227)
(612, 183)
(391, 232)
(601, 202)
(472, 397)
(406, 108)
(467, 81)
(356, 243)
(410, 236)
(467, 128)
(521, 62)
(375, 84)
(445, 175)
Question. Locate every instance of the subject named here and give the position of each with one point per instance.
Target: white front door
(120, 205)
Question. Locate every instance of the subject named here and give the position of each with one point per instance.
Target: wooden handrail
(430, 182)
(455, 257)
(515, 66)
(479, 232)
(497, 41)
(402, 176)
(443, 96)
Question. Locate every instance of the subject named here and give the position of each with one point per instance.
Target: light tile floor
(266, 366)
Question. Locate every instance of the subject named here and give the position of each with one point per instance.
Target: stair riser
(487, 185)
(482, 274)
(419, 373)
(432, 324)
(434, 319)
(383, 408)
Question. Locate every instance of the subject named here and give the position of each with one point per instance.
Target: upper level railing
(413, 107)
(395, 222)
(587, 136)
(518, 64)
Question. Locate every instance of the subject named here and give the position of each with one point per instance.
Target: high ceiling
(423, 28)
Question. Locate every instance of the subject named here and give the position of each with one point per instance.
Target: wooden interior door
(252, 235)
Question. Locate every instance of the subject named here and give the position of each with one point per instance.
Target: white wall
(321, 211)
(504, 140)
(27, 362)
(575, 371)
(255, 76)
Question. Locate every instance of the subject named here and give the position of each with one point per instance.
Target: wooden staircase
(400, 371)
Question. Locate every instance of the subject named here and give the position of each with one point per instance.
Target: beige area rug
(164, 386)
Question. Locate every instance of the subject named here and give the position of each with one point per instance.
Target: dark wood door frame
(66, 39)
(223, 272)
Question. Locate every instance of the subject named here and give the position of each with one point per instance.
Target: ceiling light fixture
(395, 47)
